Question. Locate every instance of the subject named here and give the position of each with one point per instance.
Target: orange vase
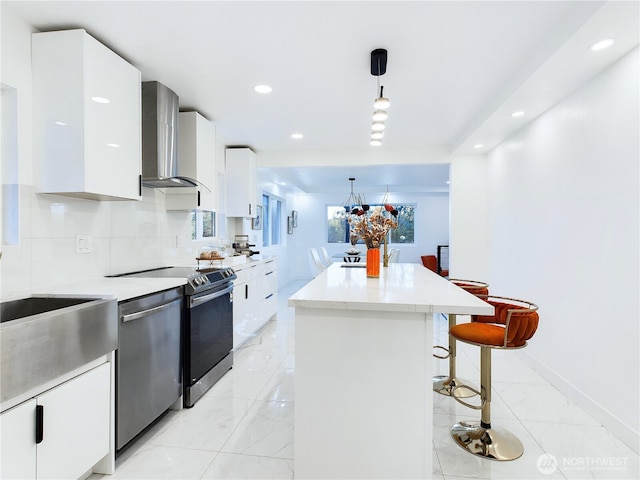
(373, 262)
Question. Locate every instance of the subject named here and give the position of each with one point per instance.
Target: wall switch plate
(83, 244)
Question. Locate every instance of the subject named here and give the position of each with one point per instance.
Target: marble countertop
(122, 288)
(119, 288)
(406, 287)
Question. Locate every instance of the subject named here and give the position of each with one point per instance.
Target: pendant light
(381, 103)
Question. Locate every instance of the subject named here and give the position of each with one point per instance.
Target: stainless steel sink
(42, 338)
(27, 307)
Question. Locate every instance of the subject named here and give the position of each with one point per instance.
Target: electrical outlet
(83, 244)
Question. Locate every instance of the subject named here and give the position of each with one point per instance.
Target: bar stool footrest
(442, 348)
(493, 443)
(459, 391)
(444, 385)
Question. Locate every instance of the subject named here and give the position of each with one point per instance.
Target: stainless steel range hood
(160, 138)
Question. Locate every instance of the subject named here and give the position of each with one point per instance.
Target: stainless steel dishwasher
(148, 369)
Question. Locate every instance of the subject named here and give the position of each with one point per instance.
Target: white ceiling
(456, 70)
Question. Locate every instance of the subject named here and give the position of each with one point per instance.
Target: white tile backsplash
(55, 216)
(125, 236)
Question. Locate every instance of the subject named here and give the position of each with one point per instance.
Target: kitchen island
(364, 395)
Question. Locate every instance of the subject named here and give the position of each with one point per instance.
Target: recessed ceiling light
(517, 114)
(100, 99)
(262, 88)
(59, 123)
(478, 145)
(377, 126)
(602, 44)
(297, 136)
(375, 142)
(377, 135)
(113, 145)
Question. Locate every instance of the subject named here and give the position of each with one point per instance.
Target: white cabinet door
(17, 437)
(240, 314)
(87, 118)
(241, 175)
(113, 152)
(76, 418)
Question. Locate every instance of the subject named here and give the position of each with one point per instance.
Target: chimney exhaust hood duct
(160, 138)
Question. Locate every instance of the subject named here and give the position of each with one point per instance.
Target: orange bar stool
(513, 323)
(445, 384)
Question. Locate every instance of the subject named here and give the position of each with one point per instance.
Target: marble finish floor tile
(234, 466)
(585, 451)
(241, 382)
(281, 387)
(542, 403)
(267, 430)
(206, 427)
(156, 462)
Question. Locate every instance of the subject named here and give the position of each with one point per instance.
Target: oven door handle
(194, 302)
(144, 313)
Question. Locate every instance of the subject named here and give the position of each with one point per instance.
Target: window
(203, 225)
(271, 214)
(338, 224)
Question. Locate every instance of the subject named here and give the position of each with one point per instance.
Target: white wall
(564, 209)
(469, 253)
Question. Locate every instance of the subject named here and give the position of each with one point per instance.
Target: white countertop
(118, 288)
(407, 287)
(122, 288)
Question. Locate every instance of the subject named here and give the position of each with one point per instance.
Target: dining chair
(324, 257)
(394, 256)
(319, 267)
(430, 261)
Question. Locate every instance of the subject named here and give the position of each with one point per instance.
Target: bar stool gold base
(444, 385)
(492, 443)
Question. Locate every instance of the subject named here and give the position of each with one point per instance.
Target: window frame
(271, 221)
(399, 206)
(198, 225)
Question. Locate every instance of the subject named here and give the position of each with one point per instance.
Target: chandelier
(352, 204)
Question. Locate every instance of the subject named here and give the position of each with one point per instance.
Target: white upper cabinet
(242, 188)
(196, 159)
(87, 118)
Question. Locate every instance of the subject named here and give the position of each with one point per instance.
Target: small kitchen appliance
(242, 246)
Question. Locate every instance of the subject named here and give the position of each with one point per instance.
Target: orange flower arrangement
(372, 225)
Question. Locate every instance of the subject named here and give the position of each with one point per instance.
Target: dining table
(349, 257)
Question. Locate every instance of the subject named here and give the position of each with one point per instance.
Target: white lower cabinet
(270, 290)
(246, 314)
(73, 429)
(254, 299)
(17, 436)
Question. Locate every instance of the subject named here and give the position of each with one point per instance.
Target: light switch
(83, 244)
